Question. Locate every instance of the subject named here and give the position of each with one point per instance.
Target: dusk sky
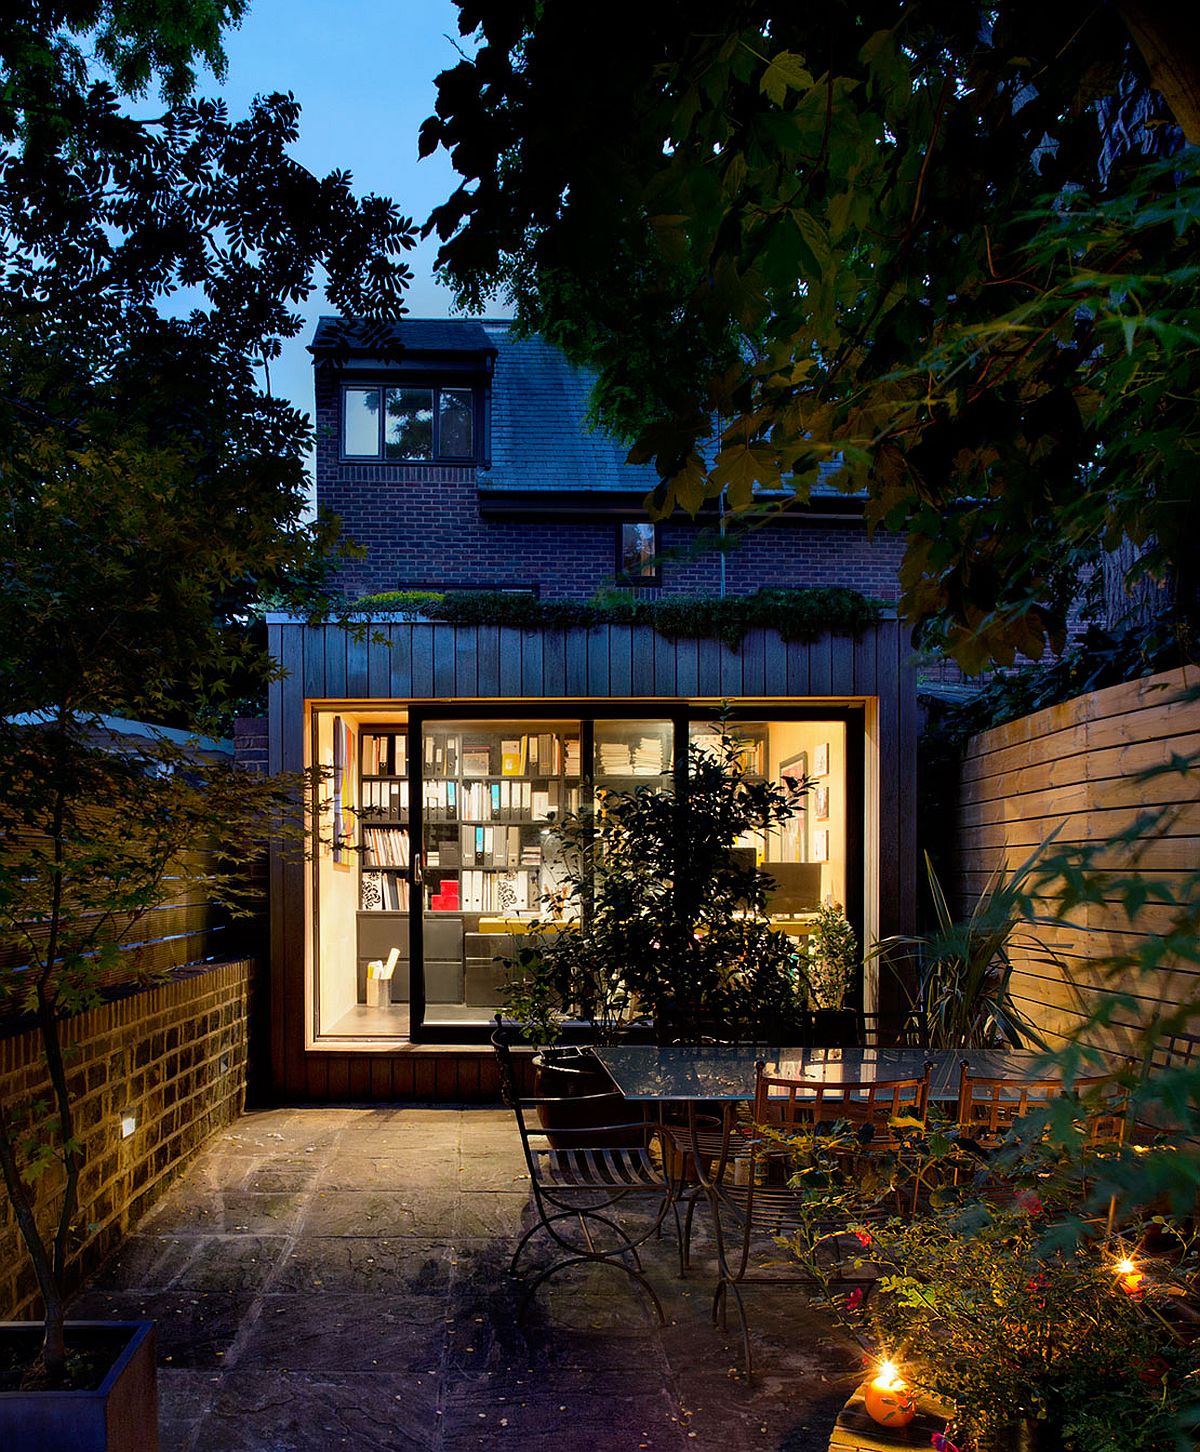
(363, 73)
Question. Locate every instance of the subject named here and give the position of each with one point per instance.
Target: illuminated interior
(437, 844)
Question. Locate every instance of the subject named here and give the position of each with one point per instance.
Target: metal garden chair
(579, 1175)
(748, 1205)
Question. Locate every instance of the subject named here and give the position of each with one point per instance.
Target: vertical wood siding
(426, 661)
(1080, 768)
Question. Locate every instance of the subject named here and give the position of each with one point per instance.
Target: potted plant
(100, 828)
(959, 976)
(662, 921)
(832, 966)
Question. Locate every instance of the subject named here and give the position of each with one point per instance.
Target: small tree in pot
(665, 917)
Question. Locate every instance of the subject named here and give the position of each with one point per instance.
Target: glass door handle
(418, 868)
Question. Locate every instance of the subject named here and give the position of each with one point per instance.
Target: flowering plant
(1007, 1310)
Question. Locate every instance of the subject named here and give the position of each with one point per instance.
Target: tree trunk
(1167, 32)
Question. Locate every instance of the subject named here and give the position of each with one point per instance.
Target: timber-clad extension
(425, 664)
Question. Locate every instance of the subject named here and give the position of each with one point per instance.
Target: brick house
(459, 457)
(515, 491)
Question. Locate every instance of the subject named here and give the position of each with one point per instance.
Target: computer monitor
(798, 888)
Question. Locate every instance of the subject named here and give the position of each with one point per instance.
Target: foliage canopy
(929, 240)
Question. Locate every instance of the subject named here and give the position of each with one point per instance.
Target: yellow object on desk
(520, 925)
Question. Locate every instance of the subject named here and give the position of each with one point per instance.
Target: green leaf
(785, 72)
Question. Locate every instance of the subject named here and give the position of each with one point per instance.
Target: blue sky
(363, 73)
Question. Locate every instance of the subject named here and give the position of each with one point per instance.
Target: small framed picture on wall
(820, 844)
(821, 803)
(820, 762)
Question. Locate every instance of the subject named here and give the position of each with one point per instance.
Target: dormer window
(408, 424)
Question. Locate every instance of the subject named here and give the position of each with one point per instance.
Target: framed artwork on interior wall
(820, 799)
(820, 845)
(792, 835)
(343, 791)
(820, 765)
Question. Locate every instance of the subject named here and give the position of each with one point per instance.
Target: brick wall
(173, 1057)
(420, 524)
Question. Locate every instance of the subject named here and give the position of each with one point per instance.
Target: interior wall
(337, 884)
(787, 739)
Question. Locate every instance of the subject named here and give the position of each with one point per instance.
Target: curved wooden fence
(1106, 764)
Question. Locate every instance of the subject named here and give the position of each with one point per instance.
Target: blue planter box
(120, 1415)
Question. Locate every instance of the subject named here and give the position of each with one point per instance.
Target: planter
(571, 1075)
(120, 1415)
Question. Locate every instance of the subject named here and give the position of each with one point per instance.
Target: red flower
(854, 1299)
(941, 1443)
(864, 1237)
(1028, 1201)
(1153, 1370)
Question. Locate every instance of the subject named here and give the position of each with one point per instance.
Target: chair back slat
(795, 1103)
(989, 1107)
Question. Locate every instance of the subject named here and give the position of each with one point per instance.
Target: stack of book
(615, 758)
(648, 756)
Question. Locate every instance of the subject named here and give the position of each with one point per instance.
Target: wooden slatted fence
(1100, 765)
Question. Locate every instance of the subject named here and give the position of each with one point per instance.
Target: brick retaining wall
(173, 1057)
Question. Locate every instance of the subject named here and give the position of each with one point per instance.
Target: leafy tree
(666, 919)
(151, 494)
(928, 239)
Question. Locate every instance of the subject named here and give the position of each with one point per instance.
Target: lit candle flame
(888, 1377)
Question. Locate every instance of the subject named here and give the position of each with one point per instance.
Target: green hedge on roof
(795, 614)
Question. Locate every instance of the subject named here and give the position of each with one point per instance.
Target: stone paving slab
(337, 1279)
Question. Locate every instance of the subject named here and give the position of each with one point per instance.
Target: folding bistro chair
(578, 1175)
(988, 1108)
(746, 1205)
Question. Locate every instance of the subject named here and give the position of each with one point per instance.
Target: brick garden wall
(173, 1057)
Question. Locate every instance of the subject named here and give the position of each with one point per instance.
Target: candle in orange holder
(887, 1397)
(1133, 1281)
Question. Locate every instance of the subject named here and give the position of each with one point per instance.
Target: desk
(689, 1072)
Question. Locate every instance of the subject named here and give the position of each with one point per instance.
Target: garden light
(887, 1397)
(1133, 1281)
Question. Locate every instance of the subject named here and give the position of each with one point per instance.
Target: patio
(336, 1277)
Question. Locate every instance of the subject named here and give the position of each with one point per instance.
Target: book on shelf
(385, 846)
(441, 755)
(385, 798)
(384, 754)
(497, 892)
(383, 892)
(512, 756)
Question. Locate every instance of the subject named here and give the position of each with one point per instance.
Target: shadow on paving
(338, 1279)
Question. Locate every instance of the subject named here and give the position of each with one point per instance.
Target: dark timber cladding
(423, 661)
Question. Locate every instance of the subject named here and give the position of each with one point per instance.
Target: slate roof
(421, 335)
(541, 440)
(540, 436)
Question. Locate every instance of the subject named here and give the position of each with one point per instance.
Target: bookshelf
(489, 793)
(384, 835)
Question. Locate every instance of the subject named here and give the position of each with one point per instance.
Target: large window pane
(361, 931)
(492, 789)
(456, 424)
(360, 423)
(408, 428)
